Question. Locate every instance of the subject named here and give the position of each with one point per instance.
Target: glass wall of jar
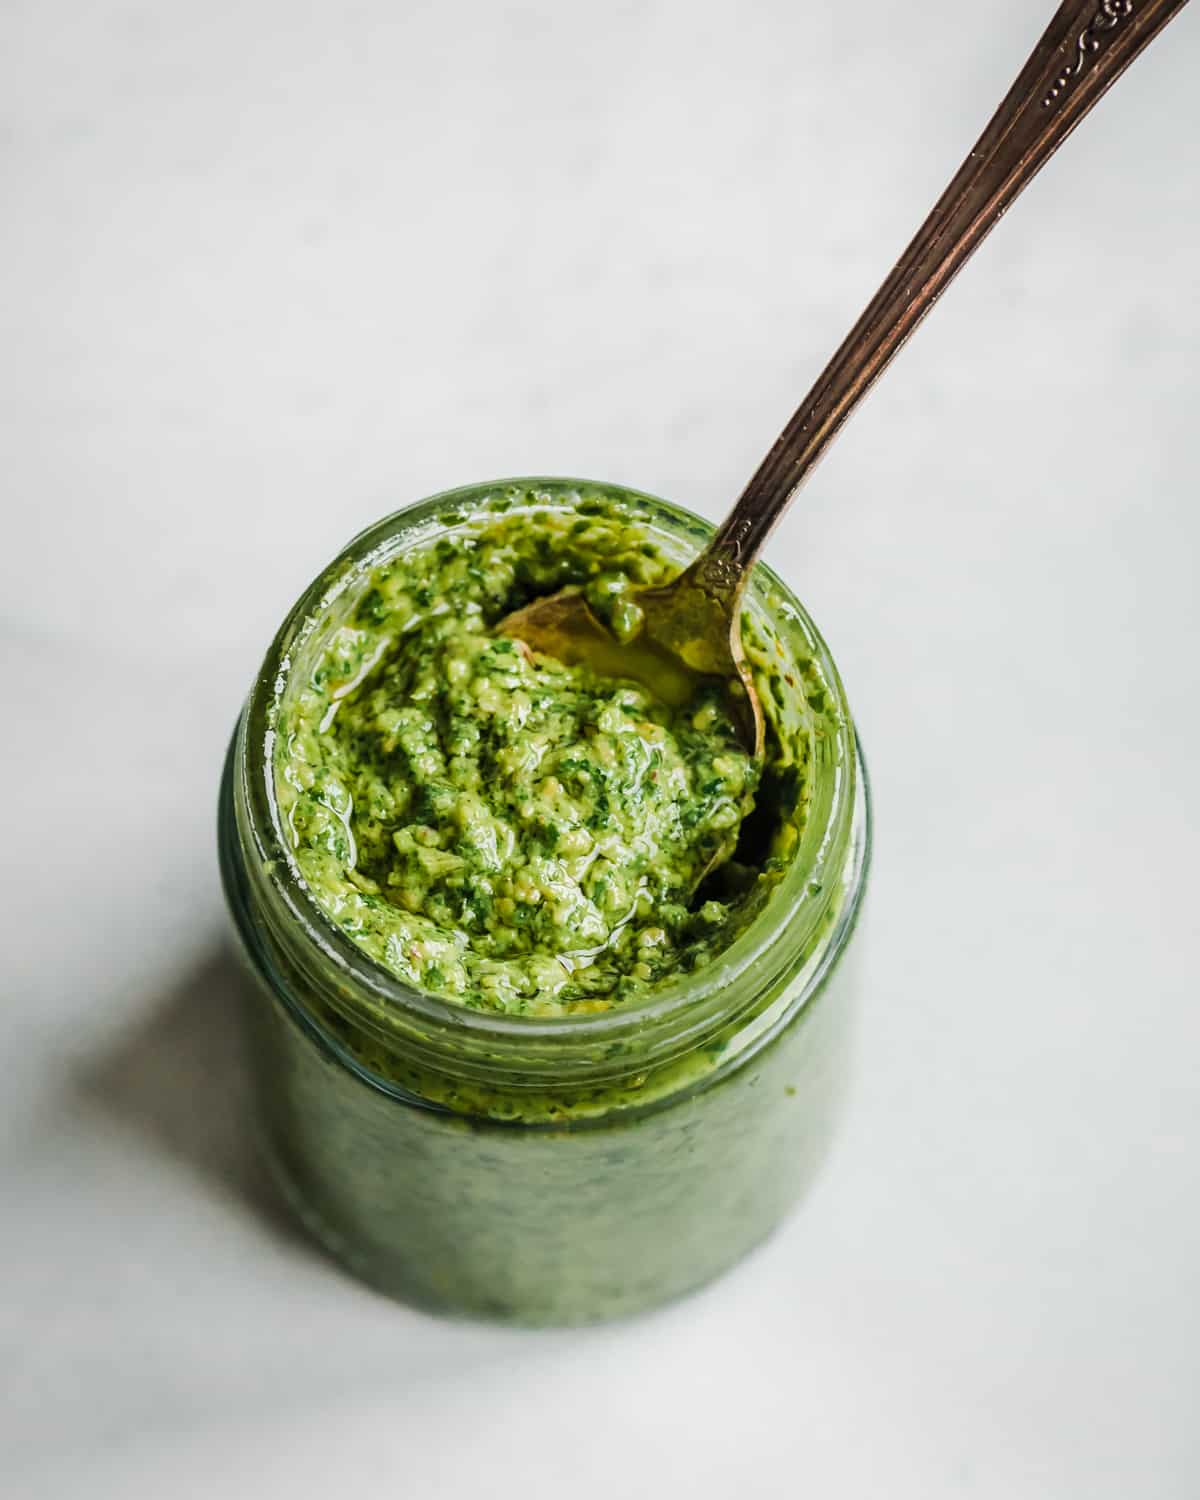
(564, 1168)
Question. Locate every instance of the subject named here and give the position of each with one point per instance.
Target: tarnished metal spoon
(691, 627)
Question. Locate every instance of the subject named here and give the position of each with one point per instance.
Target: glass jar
(562, 1169)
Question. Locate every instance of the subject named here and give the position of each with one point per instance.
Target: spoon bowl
(684, 635)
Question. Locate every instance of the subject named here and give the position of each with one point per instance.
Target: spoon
(690, 628)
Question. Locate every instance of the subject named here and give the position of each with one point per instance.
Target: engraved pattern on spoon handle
(1086, 47)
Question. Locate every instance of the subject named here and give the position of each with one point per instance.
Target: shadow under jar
(571, 1167)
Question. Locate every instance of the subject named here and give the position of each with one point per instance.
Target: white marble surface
(268, 270)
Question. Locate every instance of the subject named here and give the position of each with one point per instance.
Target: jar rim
(677, 1014)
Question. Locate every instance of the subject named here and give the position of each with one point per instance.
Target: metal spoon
(691, 627)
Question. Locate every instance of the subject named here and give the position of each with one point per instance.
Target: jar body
(542, 1225)
(651, 1186)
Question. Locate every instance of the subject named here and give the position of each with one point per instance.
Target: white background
(269, 270)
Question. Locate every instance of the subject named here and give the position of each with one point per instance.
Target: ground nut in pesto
(498, 828)
(551, 985)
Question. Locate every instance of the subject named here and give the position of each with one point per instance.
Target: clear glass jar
(545, 1170)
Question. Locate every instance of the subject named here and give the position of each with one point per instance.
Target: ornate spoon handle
(1087, 45)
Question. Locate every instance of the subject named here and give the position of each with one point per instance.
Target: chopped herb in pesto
(493, 826)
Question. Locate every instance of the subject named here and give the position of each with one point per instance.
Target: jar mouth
(678, 1013)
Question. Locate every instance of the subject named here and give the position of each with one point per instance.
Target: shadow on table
(180, 1078)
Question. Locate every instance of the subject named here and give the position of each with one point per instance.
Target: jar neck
(319, 969)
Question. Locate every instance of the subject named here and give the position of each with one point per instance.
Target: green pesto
(508, 1167)
(502, 830)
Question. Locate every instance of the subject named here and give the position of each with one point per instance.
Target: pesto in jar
(620, 1068)
(507, 832)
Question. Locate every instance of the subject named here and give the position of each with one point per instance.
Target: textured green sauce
(505, 831)
(430, 775)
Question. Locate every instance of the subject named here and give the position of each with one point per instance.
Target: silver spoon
(691, 627)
